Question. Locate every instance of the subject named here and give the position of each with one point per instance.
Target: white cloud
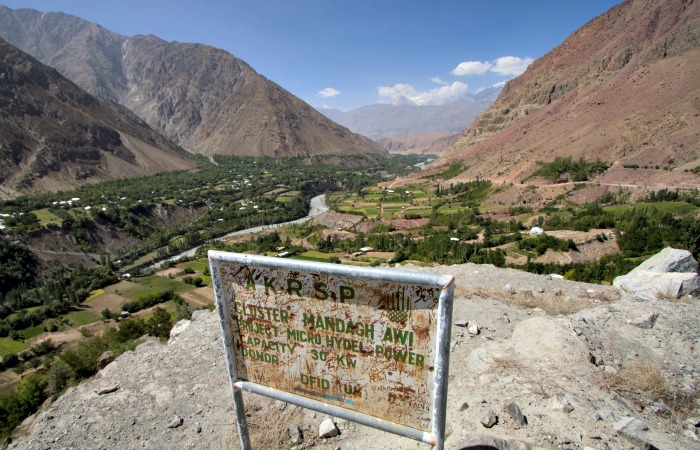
(438, 80)
(328, 92)
(505, 65)
(438, 96)
(511, 65)
(471, 68)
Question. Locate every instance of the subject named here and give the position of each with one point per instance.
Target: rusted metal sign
(364, 341)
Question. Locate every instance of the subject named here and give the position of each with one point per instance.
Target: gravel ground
(558, 369)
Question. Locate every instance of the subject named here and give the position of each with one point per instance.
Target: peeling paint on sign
(365, 345)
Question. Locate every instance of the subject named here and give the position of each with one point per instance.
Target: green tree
(160, 323)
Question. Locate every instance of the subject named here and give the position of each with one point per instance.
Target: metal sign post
(365, 344)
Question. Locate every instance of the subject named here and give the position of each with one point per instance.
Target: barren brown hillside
(624, 88)
(54, 135)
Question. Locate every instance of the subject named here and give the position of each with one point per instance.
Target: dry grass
(550, 303)
(506, 363)
(539, 383)
(643, 381)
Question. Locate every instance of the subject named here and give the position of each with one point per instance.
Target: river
(317, 205)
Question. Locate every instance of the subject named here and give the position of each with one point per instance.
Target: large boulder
(671, 273)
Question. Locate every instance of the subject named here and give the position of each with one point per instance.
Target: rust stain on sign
(364, 345)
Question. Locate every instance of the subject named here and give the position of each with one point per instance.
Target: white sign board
(370, 341)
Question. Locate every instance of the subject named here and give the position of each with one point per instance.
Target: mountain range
(202, 98)
(402, 118)
(624, 89)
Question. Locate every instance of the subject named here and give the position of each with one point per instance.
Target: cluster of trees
(56, 295)
(563, 169)
(540, 244)
(75, 364)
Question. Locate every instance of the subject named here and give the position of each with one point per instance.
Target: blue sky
(348, 53)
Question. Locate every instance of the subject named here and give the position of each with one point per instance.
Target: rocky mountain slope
(202, 98)
(438, 142)
(624, 88)
(54, 135)
(520, 377)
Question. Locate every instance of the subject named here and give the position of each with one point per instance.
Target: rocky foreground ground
(535, 363)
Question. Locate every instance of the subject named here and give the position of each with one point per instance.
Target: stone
(177, 329)
(692, 435)
(643, 285)
(671, 273)
(295, 434)
(175, 422)
(694, 421)
(508, 288)
(482, 441)
(604, 414)
(107, 390)
(645, 321)
(561, 404)
(635, 431)
(463, 406)
(659, 408)
(476, 400)
(489, 418)
(280, 405)
(327, 429)
(474, 328)
(196, 314)
(504, 318)
(104, 359)
(514, 411)
(479, 359)
(670, 260)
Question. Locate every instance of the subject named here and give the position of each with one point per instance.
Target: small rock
(107, 390)
(557, 291)
(540, 290)
(280, 405)
(295, 434)
(175, 422)
(518, 418)
(508, 288)
(604, 414)
(694, 421)
(464, 406)
(635, 431)
(646, 321)
(196, 314)
(505, 318)
(461, 323)
(560, 403)
(104, 359)
(476, 400)
(692, 435)
(197, 427)
(327, 429)
(477, 441)
(474, 329)
(489, 418)
(659, 408)
(177, 329)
